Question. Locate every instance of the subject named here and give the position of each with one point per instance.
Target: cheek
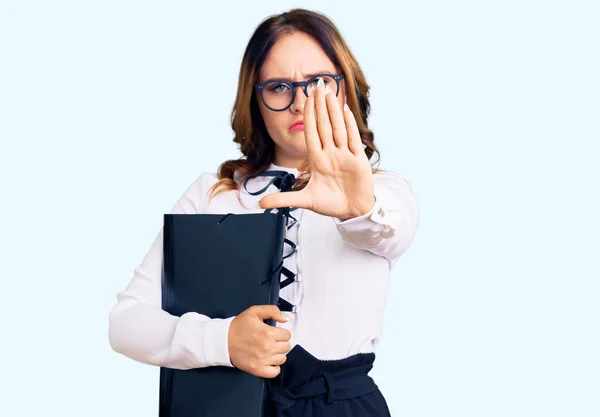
(273, 121)
(341, 97)
(276, 123)
(269, 117)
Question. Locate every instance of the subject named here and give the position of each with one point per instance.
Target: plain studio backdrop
(109, 110)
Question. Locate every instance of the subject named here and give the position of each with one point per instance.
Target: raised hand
(341, 179)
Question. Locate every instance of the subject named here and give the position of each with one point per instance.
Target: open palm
(341, 179)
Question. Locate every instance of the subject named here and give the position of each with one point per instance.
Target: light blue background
(489, 109)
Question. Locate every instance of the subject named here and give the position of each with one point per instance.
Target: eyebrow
(306, 76)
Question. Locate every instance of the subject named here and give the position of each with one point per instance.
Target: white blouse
(342, 273)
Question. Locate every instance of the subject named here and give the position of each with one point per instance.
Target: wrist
(360, 210)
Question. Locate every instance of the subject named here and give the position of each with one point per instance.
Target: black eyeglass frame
(294, 85)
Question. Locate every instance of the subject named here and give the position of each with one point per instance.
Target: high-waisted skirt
(309, 387)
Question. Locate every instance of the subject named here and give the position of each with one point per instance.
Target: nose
(298, 103)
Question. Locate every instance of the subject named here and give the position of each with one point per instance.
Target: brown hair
(250, 133)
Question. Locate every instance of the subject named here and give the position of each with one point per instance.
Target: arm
(141, 330)
(389, 227)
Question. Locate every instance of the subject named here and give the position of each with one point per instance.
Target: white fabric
(343, 272)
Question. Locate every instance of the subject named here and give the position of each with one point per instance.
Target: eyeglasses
(278, 95)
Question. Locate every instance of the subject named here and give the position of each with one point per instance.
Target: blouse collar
(261, 181)
(274, 167)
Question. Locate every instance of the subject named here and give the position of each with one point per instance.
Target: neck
(299, 163)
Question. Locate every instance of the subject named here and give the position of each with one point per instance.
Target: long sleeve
(140, 329)
(388, 229)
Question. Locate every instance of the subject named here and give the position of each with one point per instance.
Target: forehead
(293, 57)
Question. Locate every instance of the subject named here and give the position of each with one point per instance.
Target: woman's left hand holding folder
(341, 178)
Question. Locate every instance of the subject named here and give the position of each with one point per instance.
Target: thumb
(288, 199)
(268, 311)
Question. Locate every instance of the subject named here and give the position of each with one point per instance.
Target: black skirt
(309, 387)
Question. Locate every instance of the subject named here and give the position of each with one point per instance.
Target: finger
(354, 141)
(280, 334)
(298, 199)
(270, 371)
(311, 135)
(268, 311)
(278, 359)
(323, 124)
(336, 117)
(283, 347)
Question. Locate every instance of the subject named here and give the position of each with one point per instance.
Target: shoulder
(202, 184)
(195, 197)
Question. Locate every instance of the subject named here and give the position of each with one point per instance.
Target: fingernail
(311, 90)
(346, 108)
(320, 83)
(327, 90)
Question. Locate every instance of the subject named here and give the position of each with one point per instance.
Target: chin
(295, 145)
(300, 150)
(294, 152)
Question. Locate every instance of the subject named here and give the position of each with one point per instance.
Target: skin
(341, 179)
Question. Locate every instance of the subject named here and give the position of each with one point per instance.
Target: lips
(297, 125)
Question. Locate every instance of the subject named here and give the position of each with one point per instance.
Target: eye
(278, 87)
(326, 80)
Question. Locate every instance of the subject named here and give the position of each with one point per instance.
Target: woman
(300, 118)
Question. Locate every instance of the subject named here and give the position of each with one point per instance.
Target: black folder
(218, 265)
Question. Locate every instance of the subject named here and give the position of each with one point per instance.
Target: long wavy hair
(250, 133)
